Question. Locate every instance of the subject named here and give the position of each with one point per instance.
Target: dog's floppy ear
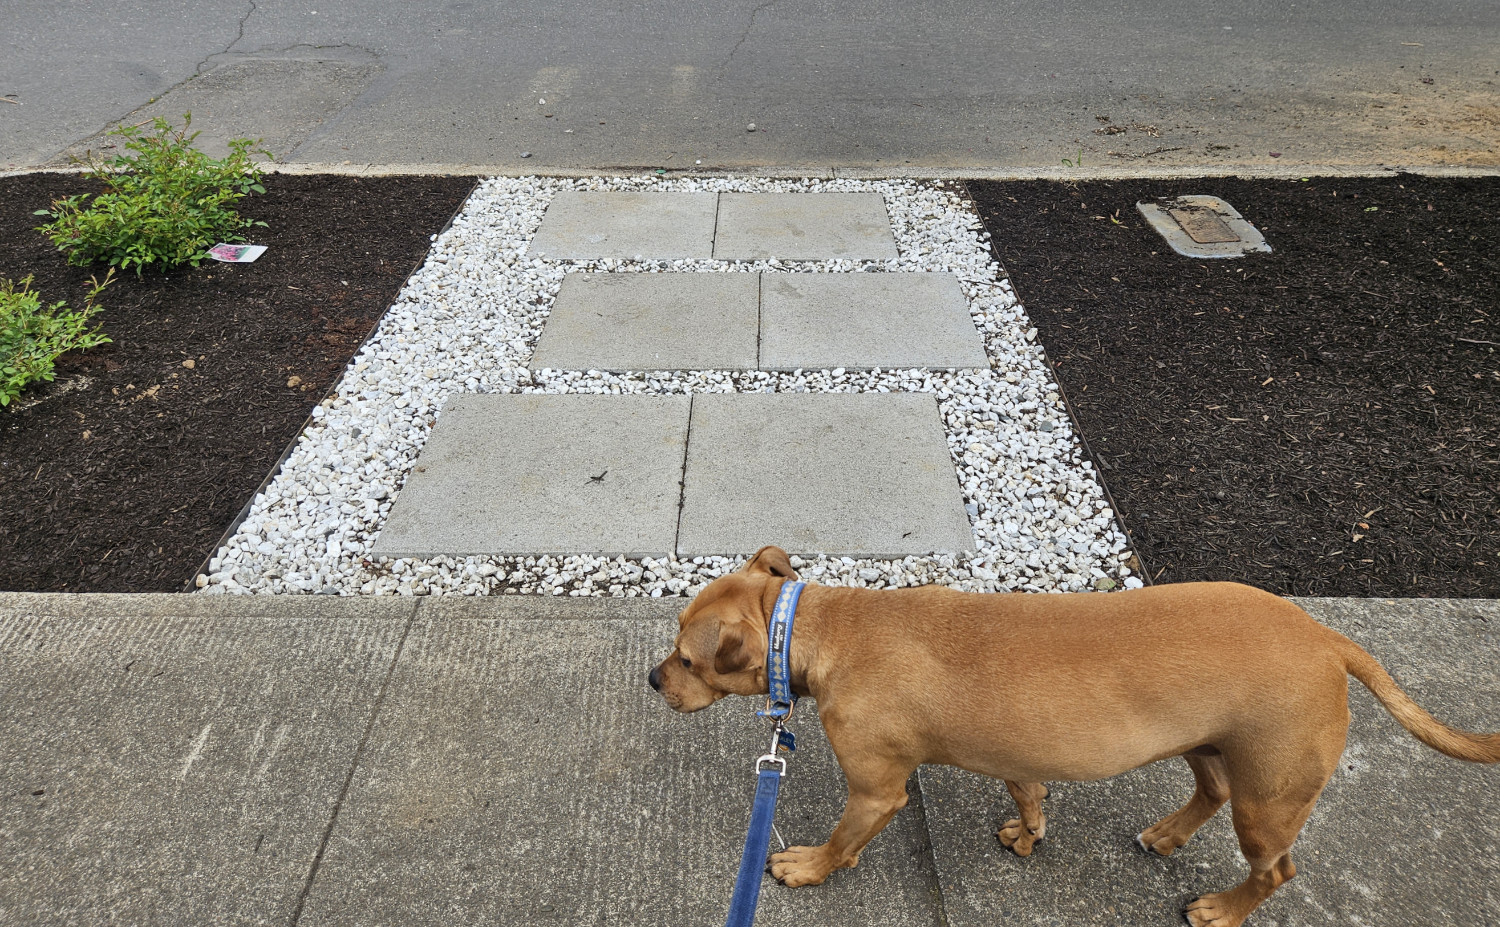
(771, 560)
(734, 653)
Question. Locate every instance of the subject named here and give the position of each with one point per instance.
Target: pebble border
(469, 318)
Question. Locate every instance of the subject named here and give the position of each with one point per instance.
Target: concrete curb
(502, 607)
(84, 606)
(829, 172)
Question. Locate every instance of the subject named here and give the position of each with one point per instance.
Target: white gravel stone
(469, 318)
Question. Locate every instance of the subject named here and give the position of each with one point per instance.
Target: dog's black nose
(655, 679)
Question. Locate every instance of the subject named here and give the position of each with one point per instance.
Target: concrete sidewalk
(311, 760)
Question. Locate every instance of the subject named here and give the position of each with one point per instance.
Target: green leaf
(32, 337)
(164, 202)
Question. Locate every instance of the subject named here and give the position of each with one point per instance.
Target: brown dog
(1244, 685)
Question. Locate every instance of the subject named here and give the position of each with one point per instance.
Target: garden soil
(123, 474)
(1320, 420)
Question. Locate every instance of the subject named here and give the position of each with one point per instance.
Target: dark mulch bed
(125, 483)
(1322, 420)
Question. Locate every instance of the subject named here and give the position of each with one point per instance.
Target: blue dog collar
(779, 652)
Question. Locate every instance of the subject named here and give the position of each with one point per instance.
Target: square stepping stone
(866, 320)
(860, 475)
(803, 227)
(678, 321)
(520, 474)
(665, 226)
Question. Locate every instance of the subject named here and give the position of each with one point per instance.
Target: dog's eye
(686, 662)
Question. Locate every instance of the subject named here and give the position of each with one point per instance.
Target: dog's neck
(803, 650)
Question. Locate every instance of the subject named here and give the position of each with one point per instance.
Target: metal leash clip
(782, 740)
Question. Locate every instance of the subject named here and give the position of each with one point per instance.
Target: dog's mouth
(678, 703)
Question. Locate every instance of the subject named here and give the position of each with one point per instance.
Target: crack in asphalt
(239, 34)
(744, 36)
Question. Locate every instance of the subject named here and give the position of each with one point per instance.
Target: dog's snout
(655, 679)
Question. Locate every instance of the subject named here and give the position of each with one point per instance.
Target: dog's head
(721, 637)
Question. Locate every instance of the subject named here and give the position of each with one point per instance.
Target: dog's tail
(1462, 745)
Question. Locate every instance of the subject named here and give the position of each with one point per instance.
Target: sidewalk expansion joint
(687, 442)
(359, 752)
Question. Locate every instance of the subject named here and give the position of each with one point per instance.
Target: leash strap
(769, 768)
(779, 653)
(757, 842)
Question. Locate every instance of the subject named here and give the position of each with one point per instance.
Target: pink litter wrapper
(236, 254)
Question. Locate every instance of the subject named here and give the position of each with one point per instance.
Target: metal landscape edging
(1093, 458)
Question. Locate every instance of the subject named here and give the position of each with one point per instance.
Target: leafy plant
(165, 205)
(1074, 162)
(31, 337)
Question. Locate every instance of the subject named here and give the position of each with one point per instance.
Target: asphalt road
(894, 87)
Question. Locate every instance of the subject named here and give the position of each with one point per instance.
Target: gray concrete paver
(522, 772)
(175, 760)
(538, 474)
(580, 225)
(803, 227)
(839, 473)
(866, 320)
(671, 321)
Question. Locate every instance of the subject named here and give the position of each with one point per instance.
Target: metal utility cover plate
(1202, 227)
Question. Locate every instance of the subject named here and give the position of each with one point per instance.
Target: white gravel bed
(468, 320)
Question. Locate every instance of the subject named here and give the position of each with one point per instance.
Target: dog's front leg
(1023, 834)
(874, 798)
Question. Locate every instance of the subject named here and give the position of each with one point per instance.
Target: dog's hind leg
(1266, 832)
(1021, 835)
(1178, 827)
(1271, 801)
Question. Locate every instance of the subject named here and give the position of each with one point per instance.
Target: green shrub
(31, 337)
(166, 205)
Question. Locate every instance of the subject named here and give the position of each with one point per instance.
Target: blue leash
(768, 768)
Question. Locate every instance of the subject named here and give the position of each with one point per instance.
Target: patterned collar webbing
(779, 652)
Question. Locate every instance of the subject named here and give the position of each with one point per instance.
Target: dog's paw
(801, 866)
(1160, 841)
(1015, 837)
(1212, 911)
